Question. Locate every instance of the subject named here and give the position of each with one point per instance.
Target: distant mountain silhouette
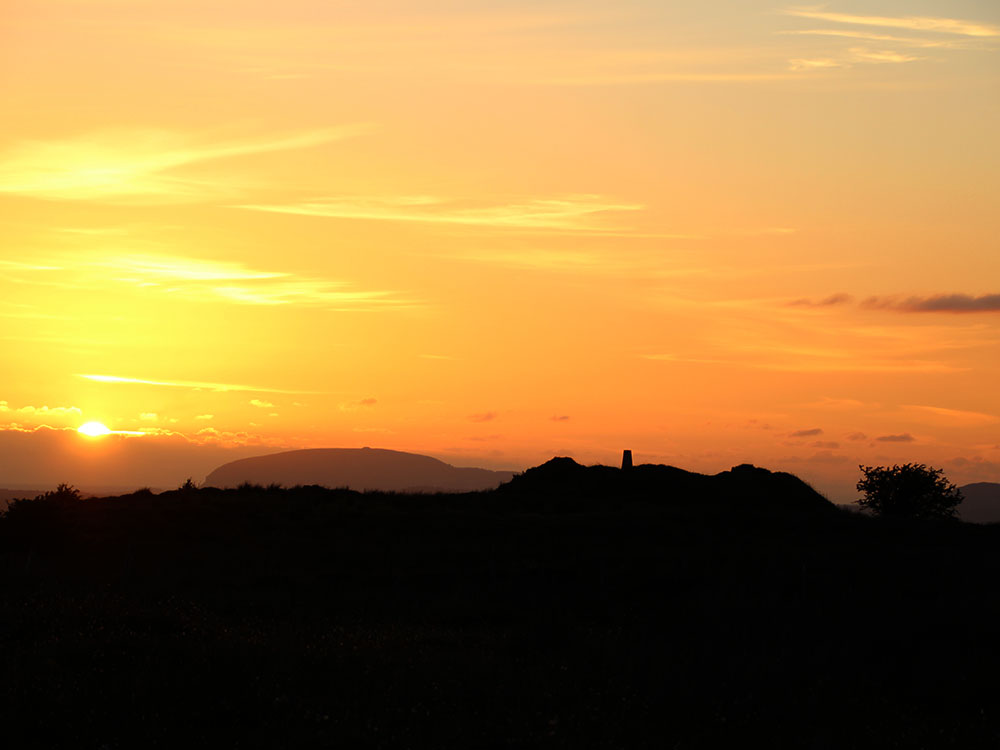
(357, 468)
(744, 486)
(981, 503)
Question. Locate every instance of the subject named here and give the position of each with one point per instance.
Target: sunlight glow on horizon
(93, 429)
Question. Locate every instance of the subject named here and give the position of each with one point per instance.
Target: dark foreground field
(535, 617)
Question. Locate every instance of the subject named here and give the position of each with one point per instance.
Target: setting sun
(93, 429)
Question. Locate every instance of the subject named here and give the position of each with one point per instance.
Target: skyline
(494, 233)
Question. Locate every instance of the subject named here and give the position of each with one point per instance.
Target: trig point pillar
(626, 460)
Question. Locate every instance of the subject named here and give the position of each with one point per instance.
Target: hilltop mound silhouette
(357, 468)
(744, 486)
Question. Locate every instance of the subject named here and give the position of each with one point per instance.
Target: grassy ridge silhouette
(573, 607)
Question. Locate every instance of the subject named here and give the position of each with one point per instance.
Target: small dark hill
(744, 487)
(981, 503)
(357, 468)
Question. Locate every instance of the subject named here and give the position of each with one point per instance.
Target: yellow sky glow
(495, 233)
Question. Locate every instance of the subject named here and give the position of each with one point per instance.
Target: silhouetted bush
(910, 491)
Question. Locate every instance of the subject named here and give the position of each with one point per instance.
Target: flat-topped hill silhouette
(357, 468)
(981, 503)
(742, 487)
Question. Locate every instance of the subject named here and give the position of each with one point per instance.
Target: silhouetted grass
(613, 615)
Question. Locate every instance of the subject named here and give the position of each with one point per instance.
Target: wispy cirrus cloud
(816, 63)
(575, 212)
(144, 268)
(201, 279)
(911, 23)
(935, 33)
(834, 299)
(189, 384)
(853, 56)
(946, 303)
(20, 266)
(908, 41)
(843, 361)
(859, 54)
(138, 165)
(958, 416)
(310, 292)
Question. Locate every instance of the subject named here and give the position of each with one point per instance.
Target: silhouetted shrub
(53, 501)
(64, 493)
(910, 490)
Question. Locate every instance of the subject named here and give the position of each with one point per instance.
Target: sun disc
(93, 429)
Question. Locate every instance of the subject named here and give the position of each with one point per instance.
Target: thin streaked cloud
(872, 37)
(200, 279)
(571, 212)
(911, 23)
(853, 56)
(19, 266)
(840, 298)
(632, 78)
(881, 56)
(189, 384)
(146, 267)
(958, 416)
(942, 303)
(835, 363)
(821, 63)
(116, 165)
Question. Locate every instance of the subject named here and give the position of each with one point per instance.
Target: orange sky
(494, 232)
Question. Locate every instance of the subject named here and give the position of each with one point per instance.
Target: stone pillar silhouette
(626, 459)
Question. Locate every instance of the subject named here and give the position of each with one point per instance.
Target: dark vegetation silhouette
(910, 490)
(572, 607)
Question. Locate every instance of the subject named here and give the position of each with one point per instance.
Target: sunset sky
(495, 232)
